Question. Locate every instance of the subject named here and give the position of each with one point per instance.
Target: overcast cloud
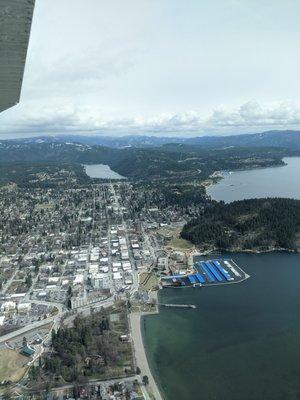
(167, 67)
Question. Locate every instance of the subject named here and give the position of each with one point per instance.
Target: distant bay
(263, 182)
(101, 171)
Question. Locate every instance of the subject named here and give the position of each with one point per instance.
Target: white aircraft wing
(15, 25)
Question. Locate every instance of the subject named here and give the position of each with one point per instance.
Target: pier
(179, 305)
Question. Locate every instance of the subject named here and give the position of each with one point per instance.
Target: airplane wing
(15, 25)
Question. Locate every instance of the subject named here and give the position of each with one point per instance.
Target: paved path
(140, 354)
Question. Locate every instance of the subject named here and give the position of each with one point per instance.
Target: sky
(160, 67)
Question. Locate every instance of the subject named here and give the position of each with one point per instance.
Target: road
(109, 383)
(27, 328)
(93, 382)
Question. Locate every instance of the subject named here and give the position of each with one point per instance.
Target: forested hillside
(254, 224)
(173, 161)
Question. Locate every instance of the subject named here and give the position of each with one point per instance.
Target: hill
(254, 224)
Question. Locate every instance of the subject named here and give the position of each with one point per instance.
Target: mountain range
(285, 139)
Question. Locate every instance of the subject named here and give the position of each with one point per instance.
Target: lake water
(101, 171)
(241, 343)
(243, 340)
(267, 182)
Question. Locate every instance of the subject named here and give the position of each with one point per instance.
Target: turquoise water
(241, 343)
(267, 182)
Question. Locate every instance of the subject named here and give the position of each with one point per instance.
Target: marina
(207, 273)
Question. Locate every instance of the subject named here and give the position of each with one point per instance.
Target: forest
(253, 224)
(90, 349)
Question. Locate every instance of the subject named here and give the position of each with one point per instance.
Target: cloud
(148, 67)
(252, 115)
(249, 117)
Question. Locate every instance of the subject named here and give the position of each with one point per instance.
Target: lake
(101, 171)
(266, 182)
(241, 343)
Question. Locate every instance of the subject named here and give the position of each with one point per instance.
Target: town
(69, 252)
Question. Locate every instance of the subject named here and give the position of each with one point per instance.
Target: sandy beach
(140, 354)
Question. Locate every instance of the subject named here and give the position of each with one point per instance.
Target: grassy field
(174, 240)
(147, 281)
(180, 244)
(12, 365)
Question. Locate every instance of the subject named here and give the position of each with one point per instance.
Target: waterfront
(267, 182)
(242, 341)
(101, 171)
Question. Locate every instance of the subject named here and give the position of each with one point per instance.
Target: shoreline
(140, 353)
(246, 251)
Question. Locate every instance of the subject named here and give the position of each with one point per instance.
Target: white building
(93, 269)
(53, 280)
(126, 266)
(8, 306)
(78, 302)
(117, 264)
(24, 308)
(117, 276)
(79, 279)
(125, 255)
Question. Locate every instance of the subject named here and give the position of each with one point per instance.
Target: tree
(145, 380)
(34, 373)
(28, 281)
(70, 291)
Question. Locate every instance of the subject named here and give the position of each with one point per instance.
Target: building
(78, 302)
(79, 279)
(15, 25)
(101, 281)
(27, 351)
(24, 308)
(8, 306)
